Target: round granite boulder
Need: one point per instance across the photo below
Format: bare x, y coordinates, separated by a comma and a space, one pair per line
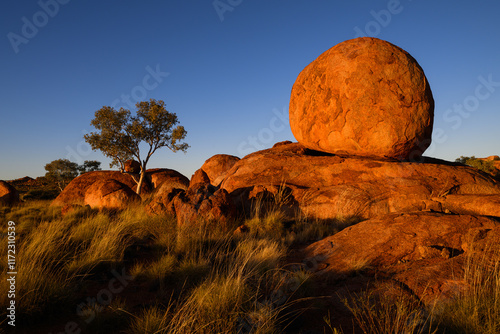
110, 194
365, 97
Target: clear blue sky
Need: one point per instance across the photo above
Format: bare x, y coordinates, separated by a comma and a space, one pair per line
227, 72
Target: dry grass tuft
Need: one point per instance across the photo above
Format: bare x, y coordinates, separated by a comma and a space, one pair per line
477, 308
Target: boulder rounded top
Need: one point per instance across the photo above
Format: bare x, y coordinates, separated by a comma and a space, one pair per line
132, 166
365, 97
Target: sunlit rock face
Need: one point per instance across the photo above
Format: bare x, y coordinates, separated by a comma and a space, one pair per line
8, 194
366, 97
110, 194
325, 186
426, 252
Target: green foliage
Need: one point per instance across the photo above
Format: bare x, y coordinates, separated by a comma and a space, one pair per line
119, 134
35, 189
89, 166
112, 138
61, 172
40, 194
486, 166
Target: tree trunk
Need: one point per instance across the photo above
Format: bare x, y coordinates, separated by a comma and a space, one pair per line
141, 180
141, 177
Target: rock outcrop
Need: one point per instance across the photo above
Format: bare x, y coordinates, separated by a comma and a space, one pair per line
8, 194
331, 186
200, 202
162, 200
203, 202
425, 252
160, 180
486, 205
364, 97
199, 177
159, 176
217, 166
492, 158
110, 194
75, 191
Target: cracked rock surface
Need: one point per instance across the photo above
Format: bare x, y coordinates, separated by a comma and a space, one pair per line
326, 186
364, 96
423, 251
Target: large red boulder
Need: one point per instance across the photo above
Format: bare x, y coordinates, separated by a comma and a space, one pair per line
110, 194
8, 194
217, 166
158, 176
74, 192
364, 96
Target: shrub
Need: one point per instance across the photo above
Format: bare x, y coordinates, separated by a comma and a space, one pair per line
486, 166
40, 194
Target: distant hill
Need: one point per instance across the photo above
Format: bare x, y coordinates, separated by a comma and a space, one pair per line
34, 189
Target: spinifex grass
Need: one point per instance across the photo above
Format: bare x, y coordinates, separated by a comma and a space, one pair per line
477, 308
201, 278
42, 284
154, 319
380, 314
